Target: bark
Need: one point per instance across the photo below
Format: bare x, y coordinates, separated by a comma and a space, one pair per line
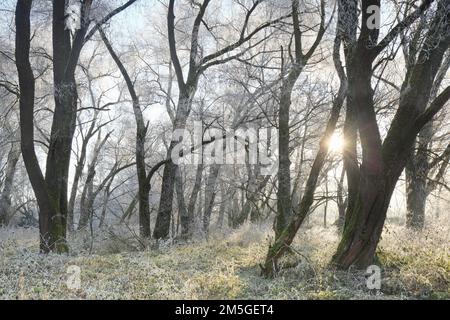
51, 191
65, 58
325, 210
188, 223
341, 203
210, 195
5, 196
419, 167
223, 205
296, 192
183, 214
162, 225
106, 196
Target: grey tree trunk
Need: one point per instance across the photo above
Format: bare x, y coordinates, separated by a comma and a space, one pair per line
183, 214
162, 225
223, 205
87, 196
210, 194
5, 196
78, 173
284, 199
419, 166
141, 132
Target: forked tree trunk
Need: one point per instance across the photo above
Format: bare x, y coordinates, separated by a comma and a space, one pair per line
299, 61
51, 192
285, 238
26, 103
87, 197
162, 225
381, 167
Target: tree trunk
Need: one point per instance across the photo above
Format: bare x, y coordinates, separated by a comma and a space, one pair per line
188, 224
418, 167
326, 203
210, 194
341, 203
284, 201
5, 196
26, 103
162, 225
183, 215
141, 132
78, 173
106, 196
252, 196
87, 196
223, 205
382, 165
284, 240
416, 172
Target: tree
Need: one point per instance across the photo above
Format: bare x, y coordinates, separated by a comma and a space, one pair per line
51, 190
299, 61
141, 132
383, 161
5, 195
187, 89
285, 237
423, 172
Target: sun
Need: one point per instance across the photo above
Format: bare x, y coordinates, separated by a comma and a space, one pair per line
336, 143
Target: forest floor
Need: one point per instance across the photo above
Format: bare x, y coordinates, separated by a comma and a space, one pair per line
414, 266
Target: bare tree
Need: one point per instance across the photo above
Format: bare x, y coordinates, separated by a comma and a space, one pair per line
51, 190
187, 89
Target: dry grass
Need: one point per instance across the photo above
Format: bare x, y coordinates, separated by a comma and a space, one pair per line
226, 267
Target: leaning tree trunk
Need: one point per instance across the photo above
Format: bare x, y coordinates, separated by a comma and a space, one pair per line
284, 240
141, 132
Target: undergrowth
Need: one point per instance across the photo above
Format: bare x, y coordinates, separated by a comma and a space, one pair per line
414, 266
